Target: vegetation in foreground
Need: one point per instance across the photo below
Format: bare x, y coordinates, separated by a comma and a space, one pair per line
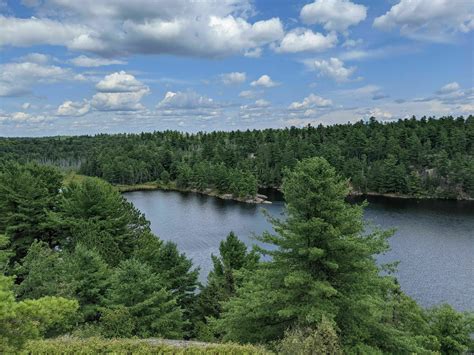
78, 259
425, 158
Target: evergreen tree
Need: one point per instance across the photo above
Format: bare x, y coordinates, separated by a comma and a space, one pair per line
94, 214
27, 192
223, 280
323, 267
87, 278
148, 307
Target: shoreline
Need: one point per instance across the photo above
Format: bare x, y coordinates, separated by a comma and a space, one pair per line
263, 199
257, 199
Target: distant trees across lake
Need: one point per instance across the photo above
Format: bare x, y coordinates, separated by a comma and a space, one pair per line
424, 157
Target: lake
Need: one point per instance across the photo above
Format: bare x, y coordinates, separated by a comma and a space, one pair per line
434, 241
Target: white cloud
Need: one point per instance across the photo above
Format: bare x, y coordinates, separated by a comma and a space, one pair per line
253, 53
119, 91
333, 68
25, 105
205, 28
233, 78
310, 102
84, 61
449, 88
120, 82
118, 101
22, 117
248, 94
28, 32
70, 108
352, 43
262, 103
334, 15
378, 113
302, 40
368, 91
185, 100
18, 78
38, 58
264, 81
428, 19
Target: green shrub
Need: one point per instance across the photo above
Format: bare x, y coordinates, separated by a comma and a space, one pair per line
67, 345
306, 341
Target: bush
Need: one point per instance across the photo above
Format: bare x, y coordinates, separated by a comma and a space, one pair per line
322, 340
67, 345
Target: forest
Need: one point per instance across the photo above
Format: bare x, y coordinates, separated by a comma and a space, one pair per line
421, 158
82, 271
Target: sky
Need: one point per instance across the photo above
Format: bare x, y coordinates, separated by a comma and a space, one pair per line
71, 67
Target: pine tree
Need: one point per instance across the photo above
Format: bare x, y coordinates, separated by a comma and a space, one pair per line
322, 267
27, 192
87, 276
152, 309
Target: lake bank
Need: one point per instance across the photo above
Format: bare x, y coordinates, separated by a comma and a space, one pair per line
266, 192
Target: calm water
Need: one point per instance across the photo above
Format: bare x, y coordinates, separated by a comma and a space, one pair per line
434, 241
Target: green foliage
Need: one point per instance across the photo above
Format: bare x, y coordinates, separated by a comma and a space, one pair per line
27, 192
322, 340
452, 329
31, 319
41, 273
94, 214
87, 277
323, 269
229, 270
5, 253
148, 305
175, 271
134, 346
223, 280
376, 157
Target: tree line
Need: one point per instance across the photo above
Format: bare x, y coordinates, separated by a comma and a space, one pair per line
78, 259
424, 157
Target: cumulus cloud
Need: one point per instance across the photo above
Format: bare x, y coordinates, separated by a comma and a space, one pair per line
118, 91
305, 40
185, 101
233, 78
334, 15
70, 108
191, 28
120, 82
22, 117
264, 81
22, 32
90, 62
449, 88
18, 78
310, 102
333, 68
428, 19
253, 53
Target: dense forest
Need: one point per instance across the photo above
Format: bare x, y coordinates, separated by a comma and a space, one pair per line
78, 259
424, 157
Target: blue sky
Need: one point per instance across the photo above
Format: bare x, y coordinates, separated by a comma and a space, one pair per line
84, 67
